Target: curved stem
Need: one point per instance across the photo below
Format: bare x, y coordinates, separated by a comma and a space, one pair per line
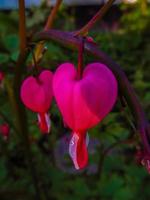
35, 65
125, 88
109, 149
52, 15
98, 16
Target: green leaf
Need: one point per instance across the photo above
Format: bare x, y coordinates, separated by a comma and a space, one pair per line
11, 42
4, 58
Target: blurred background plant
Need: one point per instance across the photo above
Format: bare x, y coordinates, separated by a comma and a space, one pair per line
123, 34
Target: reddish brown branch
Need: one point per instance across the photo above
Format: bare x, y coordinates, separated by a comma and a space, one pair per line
52, 15
80, 58
98, 16
22, 25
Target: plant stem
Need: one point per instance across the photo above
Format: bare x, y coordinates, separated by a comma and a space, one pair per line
98, 16
109, 149
52, 15
80, 58
14, 97
22, 25
125, 88
144, 7
35, 65
50, 21
23, 44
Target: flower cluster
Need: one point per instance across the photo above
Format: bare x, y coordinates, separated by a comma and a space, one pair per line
83, 102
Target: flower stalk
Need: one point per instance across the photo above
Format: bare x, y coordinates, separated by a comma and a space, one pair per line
97, 17
80, 58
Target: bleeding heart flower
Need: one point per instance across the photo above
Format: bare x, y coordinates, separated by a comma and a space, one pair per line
36, 94
83, 102
5, 130
1, 76
91, 40
143, 157
1, 79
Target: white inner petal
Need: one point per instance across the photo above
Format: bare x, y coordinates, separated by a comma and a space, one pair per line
48, 121
73, 149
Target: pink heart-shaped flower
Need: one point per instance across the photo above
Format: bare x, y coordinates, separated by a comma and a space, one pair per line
83, 103
36, 94
2, 76
5, 130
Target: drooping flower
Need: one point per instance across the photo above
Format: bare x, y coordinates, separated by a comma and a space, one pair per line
61, 150
1, 79
36, 94
83, 103
5, 130
143, 158
1, 76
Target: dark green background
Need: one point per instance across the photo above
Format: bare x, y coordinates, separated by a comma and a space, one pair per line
121, 177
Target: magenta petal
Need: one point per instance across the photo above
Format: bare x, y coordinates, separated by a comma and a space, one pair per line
44, 122
78, 150
5, 130
36, 93
84, 103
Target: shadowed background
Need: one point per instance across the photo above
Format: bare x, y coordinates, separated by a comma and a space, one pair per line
123, 34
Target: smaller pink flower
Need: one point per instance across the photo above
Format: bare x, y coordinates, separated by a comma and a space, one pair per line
36, 94
5, 130
90, 39
143, 158
2, 76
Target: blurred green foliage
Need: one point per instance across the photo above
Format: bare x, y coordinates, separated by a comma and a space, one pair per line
121, 178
